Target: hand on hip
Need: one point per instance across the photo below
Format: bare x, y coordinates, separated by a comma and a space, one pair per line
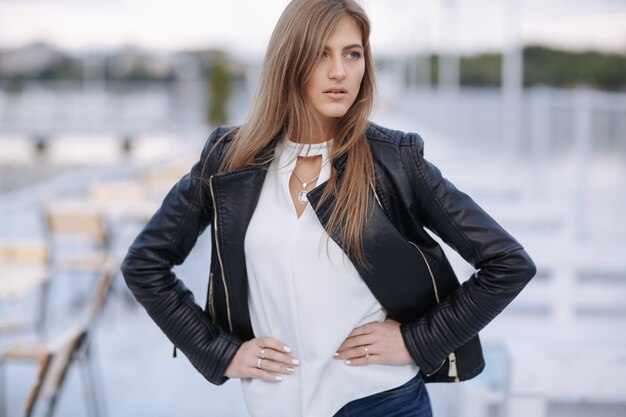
376, 342
263, 358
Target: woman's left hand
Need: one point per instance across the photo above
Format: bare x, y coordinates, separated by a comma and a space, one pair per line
383, 341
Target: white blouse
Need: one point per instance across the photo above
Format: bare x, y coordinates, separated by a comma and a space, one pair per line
309, 298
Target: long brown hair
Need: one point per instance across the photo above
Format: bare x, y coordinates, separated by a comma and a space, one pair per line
280, 103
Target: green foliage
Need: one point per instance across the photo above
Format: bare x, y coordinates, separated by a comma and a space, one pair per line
545, 66
218, 88
434, 69
564, 69
482, 70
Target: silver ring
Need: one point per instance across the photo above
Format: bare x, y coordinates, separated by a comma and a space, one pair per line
259, 363
262, 353
367, 354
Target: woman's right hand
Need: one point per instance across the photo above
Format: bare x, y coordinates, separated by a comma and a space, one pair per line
275, 360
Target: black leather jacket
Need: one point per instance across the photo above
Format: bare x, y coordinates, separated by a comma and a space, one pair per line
411, 277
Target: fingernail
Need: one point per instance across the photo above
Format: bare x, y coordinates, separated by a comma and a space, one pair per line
335, 354
295, 362
286, 348
278, 378
291, 370
348, 362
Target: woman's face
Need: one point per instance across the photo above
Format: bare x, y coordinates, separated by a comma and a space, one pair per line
337, 74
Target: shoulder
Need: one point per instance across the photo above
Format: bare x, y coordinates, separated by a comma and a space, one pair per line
222, 134
394, 138
218, 137
213, 148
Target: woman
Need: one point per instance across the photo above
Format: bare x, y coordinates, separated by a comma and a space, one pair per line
326, 295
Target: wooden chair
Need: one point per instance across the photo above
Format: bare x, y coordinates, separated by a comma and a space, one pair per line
55, 357
23, 269
74, 221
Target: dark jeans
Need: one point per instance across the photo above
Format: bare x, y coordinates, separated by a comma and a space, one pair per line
408, 400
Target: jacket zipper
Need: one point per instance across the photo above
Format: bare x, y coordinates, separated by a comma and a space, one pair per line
211, 305
219, 256
432, 276
452, 370
376, 196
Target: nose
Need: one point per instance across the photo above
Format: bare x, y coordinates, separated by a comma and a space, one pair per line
336, 71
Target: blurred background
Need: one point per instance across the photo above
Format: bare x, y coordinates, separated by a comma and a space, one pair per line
105, 104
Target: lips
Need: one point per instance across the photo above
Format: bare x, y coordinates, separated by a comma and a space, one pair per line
335, 90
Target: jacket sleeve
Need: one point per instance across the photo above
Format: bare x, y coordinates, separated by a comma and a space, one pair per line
502, 265
165, 241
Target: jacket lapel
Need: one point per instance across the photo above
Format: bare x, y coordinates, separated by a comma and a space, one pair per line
392, 260
236, 194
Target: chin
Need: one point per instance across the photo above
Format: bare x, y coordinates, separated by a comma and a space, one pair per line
335, 115
336, 112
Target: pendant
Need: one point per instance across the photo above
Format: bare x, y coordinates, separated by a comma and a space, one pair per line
302, 197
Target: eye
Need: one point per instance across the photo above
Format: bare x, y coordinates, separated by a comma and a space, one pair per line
354, 55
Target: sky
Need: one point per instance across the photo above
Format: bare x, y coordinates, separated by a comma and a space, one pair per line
243, 27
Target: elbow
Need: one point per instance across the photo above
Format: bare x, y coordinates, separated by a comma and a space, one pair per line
144, 270
507, 275
529, 269
133, 267
139, 276
128, 268
522, 265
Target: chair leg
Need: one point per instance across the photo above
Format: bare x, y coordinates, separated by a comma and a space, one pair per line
52, 404
88, 390
100, 392
92, 399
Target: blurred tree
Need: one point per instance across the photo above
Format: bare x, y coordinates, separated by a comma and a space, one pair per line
61, 68
434, 70
545, 66
481, 70
560, 68
218, 84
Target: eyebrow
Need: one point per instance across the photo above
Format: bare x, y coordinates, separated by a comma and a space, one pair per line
354, 45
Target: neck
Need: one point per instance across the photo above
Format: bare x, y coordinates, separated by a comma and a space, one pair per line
326, 134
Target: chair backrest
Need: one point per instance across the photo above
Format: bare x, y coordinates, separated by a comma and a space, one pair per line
77, 233
53, 366
76, 219
23, 252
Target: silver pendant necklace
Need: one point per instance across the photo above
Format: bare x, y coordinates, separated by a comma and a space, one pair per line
302, 199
